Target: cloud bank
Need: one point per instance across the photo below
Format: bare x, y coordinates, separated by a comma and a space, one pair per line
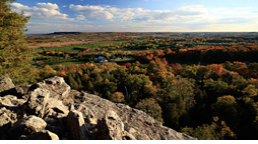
107, 18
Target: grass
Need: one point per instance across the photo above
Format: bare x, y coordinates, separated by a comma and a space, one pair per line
68, 63
126, 59
122, 61
70, 48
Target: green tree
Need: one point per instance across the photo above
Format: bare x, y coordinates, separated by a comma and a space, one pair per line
176, 99
135, 84
72, 82
217, 130
179, 87
173, 113
47, 72
226, 108
15, 57
151, 107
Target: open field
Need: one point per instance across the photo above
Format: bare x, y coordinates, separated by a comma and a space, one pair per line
55, 44
188, 75
70, 47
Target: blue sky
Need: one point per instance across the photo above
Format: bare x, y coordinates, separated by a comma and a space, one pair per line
140, 15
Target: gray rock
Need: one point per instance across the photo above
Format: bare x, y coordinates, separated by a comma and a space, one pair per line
145, 126
41, 135
75, 124
7, 118
22, 91
11, 101
73, 115
6, 101
55, 108
111, 127
86, 112
37, 102
127, 136
137, 135
5, 84
27, 126
58, 89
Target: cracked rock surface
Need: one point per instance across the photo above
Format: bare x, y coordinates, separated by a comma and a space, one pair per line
50, 110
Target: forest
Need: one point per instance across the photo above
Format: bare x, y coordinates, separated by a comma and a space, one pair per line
204, 87
201, 84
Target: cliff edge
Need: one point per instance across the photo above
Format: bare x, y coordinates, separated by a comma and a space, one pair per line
50, 110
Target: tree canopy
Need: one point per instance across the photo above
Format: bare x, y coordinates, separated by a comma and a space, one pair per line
15, 57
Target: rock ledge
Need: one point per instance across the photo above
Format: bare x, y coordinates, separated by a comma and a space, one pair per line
50, 110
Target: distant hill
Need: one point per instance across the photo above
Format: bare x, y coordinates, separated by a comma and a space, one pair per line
65, 33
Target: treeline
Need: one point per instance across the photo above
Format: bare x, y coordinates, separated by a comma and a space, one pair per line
217, 101
204, 54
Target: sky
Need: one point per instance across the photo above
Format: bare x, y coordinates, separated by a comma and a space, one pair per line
49, 16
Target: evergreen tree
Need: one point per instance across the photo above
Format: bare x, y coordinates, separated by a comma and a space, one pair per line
15, 57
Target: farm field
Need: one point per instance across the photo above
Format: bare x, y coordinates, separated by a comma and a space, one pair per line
180, 77
161, 69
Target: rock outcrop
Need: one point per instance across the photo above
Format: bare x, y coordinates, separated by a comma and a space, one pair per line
50, 110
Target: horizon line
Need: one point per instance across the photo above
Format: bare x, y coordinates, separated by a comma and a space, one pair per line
143, 32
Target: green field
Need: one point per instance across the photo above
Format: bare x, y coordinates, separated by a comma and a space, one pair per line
130, 60
68, 63
70, 48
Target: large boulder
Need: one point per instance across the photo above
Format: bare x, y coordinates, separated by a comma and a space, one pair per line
27, 126
7, 118
145, 126
37, 102
111, 127
5, 84
55, 108
21, 91
57, 112
11, 101
41, 135
57, 87
76, 126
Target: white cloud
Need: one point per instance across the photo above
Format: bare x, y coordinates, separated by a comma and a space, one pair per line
48, 6
188, 18
139, 14
43, 11
19, 7
80, 17
96, 12
191, 10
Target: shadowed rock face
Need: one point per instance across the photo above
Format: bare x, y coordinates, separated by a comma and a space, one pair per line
47, 111
6, 84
